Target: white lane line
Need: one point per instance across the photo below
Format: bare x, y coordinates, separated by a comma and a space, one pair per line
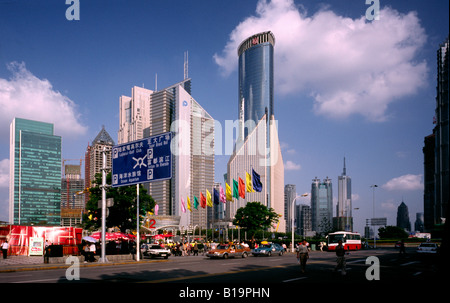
290, 280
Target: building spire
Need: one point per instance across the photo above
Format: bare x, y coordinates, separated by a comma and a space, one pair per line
345, 170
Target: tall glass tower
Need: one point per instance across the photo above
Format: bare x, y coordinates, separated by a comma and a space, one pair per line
255, 80
321, 205
35, 174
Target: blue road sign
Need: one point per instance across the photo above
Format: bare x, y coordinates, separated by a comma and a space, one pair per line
142, 161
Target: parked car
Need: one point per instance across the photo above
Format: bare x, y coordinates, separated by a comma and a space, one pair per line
228, 250
427, 248
154, 251
268, 249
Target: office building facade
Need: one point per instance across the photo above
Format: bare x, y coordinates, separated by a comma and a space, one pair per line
403, 217
290, 193
436, 149
72, 196
321, 205
35, 173
344, 218
257, 144
147, 113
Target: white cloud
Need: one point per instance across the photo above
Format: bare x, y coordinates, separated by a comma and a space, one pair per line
289, 165
349, 66
26, 96
405, 182
4, 173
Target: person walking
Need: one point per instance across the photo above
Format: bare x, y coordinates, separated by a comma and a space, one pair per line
5, 246
303, 254
340, 254
402, 247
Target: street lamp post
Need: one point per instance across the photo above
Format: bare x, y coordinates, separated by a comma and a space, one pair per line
373, 215
292, 220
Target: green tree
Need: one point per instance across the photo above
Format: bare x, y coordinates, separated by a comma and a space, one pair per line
255, 216
123, 213
392, 232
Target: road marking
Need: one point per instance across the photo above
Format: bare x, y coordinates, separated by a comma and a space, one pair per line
355, 261
34, 281
409, 263
417, 273
290, 280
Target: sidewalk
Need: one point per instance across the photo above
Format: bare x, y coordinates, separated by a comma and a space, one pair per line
29, 263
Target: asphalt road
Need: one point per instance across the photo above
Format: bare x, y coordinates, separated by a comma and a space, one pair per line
249, 277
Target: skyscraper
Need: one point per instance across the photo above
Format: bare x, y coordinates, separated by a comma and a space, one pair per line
321, 205
441, 131
289, 195
94, 157
256, 70
72, 198
344, 207
35, 173
436, 148
147, 113
403, 217
257, 147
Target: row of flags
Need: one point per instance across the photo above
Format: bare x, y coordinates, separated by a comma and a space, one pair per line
251, 184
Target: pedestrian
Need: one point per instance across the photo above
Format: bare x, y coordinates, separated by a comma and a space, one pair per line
303, 254
402, 247
92, 250
5, 246
47, 250
340, 254
195, 249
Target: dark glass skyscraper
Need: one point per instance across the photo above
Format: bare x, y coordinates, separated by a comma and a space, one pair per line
255, 79
35, 173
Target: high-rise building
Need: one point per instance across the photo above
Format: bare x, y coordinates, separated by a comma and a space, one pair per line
290, 193
147, 113
303, 226
344, 218
436, 171
418, 225
93, 159
403, 217
441, 131
257, 147
321, 205
72, 197
35, 173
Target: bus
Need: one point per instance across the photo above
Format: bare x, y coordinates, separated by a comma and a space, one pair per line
350, 240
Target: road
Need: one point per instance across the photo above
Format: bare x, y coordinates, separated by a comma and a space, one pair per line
252, 273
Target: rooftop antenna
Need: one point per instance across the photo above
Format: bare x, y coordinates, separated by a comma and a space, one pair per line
345, 171
156, 82
186, 63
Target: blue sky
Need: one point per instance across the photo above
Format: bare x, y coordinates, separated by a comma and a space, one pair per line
344, 86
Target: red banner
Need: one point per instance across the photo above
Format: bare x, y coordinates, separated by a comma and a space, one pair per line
18, 237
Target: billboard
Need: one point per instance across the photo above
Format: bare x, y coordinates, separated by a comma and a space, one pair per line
142, 161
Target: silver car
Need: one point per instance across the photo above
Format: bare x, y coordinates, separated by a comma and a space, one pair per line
154, 251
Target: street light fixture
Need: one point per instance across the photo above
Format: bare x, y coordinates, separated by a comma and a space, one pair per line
292, 220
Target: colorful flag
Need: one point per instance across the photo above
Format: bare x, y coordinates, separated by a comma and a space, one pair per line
195, 202
228, 192
183, 207
257, 185
189, 203
235, 189
216, 196
241, 188
223, 198
202, 200
208, 199
248, 181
